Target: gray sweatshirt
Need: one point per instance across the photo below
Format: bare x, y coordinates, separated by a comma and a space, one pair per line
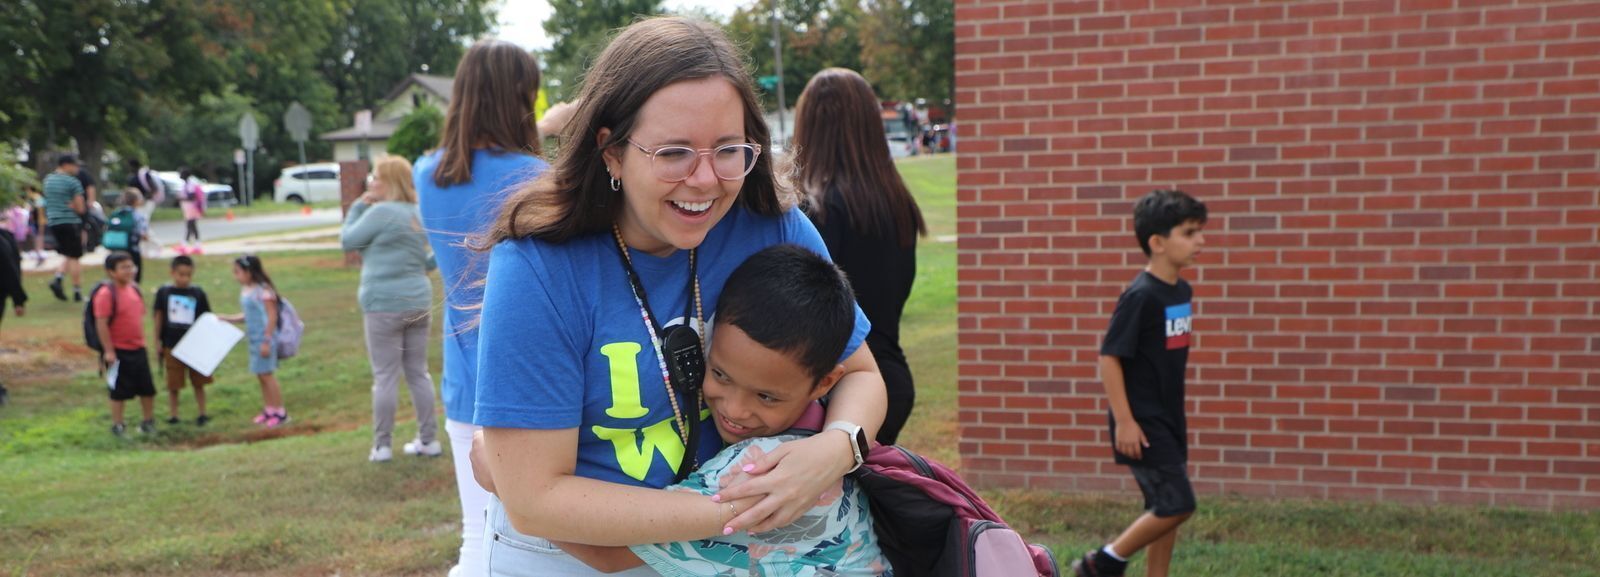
395, 258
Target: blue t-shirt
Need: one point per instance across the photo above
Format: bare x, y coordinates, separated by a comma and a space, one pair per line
451, 215
563, 345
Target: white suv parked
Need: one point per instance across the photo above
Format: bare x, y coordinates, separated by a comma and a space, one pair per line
317, 182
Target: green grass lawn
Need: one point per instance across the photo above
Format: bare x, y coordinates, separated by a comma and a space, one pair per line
232, 499
261, 207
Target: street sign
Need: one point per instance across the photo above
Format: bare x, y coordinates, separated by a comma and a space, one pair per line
249, 131
768, 82
298, 120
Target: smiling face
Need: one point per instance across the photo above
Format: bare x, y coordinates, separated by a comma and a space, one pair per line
660, 217
123, 272
754, 391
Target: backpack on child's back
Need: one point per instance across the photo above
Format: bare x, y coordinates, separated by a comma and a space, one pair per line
91, 332
931, 524
122, 231
290, 329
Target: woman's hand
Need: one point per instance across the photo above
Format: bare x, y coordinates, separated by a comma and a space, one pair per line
480, 463
266, 350
792, 477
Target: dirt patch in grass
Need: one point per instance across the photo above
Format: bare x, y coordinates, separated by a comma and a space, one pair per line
35, 361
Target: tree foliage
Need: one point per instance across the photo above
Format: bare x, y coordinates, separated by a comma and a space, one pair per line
418, 132
580, 29
908, 48
167, 80
13, 178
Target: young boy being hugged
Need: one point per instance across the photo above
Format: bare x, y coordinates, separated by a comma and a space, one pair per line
119, 320
177, 306
784, 318
1142, 363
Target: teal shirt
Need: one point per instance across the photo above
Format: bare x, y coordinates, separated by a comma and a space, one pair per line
58, 192
395, 259
834, 538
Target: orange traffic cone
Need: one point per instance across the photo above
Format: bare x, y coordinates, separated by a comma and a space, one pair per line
229, 216
305, 210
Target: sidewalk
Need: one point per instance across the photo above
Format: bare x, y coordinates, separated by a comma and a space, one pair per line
316, 239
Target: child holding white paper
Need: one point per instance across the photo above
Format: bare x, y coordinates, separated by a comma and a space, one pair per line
177, 306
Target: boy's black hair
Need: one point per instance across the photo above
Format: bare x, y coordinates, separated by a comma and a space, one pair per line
793, 301
1161, 211
66, 159
182, 260
116, 258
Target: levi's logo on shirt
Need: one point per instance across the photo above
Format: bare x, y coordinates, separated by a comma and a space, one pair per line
1179, 326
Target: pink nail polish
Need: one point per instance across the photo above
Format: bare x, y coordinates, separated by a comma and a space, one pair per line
717, 498
727, 530
748, 468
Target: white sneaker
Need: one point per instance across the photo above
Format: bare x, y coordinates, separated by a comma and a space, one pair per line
382, 454
416, 447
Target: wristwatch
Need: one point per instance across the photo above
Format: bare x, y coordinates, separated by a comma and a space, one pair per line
858, 440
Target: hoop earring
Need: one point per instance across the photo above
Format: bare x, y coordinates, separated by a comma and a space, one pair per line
616, 185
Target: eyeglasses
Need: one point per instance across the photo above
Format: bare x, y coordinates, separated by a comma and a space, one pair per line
673, 163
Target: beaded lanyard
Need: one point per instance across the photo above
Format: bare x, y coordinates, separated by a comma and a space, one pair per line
654, 329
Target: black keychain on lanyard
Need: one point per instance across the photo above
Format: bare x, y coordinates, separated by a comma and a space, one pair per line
679, 351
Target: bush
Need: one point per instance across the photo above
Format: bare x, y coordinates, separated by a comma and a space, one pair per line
418, 132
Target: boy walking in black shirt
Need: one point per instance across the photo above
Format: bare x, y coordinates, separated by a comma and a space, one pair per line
1142, 362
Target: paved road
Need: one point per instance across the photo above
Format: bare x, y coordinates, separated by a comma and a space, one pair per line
216, 228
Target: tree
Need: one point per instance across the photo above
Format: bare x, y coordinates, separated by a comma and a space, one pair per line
86, 66
580, 29
13, 178
376, 43
816, 34
908, 48
418, 132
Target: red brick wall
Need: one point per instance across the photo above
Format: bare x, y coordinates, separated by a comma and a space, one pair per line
1398, 299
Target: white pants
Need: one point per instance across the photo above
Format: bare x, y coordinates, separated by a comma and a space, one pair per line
474, 502
513, 554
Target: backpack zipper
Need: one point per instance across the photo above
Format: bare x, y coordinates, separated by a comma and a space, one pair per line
972, 540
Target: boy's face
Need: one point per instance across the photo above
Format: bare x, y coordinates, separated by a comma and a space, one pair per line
754, 391
182, 275
123, 273
1181, 245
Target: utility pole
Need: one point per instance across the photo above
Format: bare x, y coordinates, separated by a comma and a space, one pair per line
777, 56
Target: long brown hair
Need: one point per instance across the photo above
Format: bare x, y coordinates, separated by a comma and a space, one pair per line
841, 152
574, 197
491, 105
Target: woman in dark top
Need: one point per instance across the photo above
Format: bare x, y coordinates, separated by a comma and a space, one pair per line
867, 217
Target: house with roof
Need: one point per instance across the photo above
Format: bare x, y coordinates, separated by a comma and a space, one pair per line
414, 91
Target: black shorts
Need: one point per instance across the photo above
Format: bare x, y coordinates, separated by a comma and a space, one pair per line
1166, 489
69, 239
133, 376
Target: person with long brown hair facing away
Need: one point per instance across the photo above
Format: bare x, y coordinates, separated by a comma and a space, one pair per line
853, 193
591, 342
396, 304
488, 146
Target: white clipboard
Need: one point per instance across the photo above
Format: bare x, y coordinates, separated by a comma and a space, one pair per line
207, 343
